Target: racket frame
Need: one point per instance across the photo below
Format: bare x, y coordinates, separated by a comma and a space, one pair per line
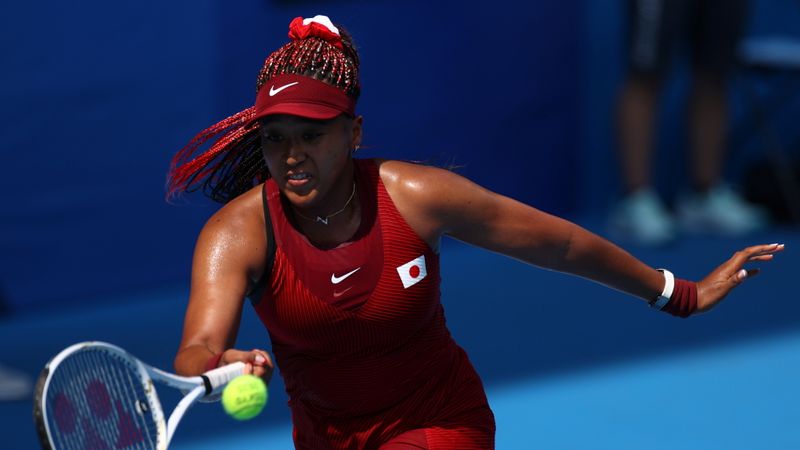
207, 386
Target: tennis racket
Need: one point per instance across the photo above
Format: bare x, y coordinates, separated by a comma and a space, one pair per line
95, 395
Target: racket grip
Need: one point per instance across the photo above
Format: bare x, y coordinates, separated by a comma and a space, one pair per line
216, 379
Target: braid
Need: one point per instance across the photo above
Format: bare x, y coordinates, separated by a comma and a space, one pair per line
316, 58
233, 163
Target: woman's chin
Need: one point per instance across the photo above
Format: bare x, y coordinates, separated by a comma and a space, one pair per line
301, 198
299, 190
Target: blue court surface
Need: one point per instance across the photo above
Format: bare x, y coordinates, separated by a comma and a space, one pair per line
567, 364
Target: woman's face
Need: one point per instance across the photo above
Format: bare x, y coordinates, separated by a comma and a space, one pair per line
309, 159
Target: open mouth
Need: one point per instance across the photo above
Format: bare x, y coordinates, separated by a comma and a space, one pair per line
298, 179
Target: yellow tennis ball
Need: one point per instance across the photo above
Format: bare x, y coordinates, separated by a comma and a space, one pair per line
244, 397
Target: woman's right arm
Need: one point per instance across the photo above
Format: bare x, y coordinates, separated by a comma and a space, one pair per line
228, 258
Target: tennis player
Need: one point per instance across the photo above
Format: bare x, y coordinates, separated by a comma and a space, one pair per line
340, 259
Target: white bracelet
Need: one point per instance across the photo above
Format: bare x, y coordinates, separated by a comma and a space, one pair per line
666, 294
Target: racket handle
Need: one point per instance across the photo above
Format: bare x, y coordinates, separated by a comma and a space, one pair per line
216, 379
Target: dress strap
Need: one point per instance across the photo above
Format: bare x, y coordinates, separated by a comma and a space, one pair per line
257, 292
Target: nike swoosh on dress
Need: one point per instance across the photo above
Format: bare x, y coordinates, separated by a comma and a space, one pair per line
337, 280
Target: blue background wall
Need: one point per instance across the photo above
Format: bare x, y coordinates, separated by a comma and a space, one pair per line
96, 97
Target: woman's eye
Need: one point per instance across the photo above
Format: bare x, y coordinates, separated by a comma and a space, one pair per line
273, 137
311, 136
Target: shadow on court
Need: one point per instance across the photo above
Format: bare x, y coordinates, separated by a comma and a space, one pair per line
516, 323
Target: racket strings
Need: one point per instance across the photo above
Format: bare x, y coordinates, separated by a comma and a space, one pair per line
135, 403
125, 381
97, 400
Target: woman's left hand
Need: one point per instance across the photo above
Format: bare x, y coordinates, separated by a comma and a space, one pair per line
714, 287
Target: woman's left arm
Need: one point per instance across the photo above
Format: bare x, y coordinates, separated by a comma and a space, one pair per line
473, 214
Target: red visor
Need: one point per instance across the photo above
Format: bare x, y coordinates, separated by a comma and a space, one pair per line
302, 96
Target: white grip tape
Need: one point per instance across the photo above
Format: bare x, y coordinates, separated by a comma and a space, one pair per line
221, 376
666, 294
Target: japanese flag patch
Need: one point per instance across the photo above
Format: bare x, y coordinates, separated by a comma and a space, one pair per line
413, 271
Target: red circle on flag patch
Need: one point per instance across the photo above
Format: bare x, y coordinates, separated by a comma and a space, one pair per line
413, 271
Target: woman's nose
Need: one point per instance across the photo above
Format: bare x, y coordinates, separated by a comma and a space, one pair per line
296, 154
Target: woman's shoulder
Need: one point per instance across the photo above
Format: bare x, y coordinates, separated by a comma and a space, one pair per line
233, 238
408, 174
421, 193
242, 216
414, 179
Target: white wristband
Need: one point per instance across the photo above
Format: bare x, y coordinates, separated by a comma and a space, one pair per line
666, 294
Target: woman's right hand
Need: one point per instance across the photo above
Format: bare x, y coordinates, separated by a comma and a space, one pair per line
257, 362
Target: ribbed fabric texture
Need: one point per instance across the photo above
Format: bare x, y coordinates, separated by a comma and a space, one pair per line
684, 299
358, 377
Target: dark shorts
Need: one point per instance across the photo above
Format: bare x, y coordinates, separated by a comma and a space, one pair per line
709, 30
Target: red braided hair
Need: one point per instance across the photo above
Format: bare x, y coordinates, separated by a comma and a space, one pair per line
233, 163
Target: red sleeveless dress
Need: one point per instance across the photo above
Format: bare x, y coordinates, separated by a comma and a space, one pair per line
359, 335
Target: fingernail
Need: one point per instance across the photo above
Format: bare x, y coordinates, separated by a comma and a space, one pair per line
774, 245
741, 275
260, 359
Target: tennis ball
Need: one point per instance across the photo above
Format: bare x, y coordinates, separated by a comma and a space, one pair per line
244, 397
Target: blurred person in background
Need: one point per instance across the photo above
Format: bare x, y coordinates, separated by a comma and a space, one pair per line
711, 29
